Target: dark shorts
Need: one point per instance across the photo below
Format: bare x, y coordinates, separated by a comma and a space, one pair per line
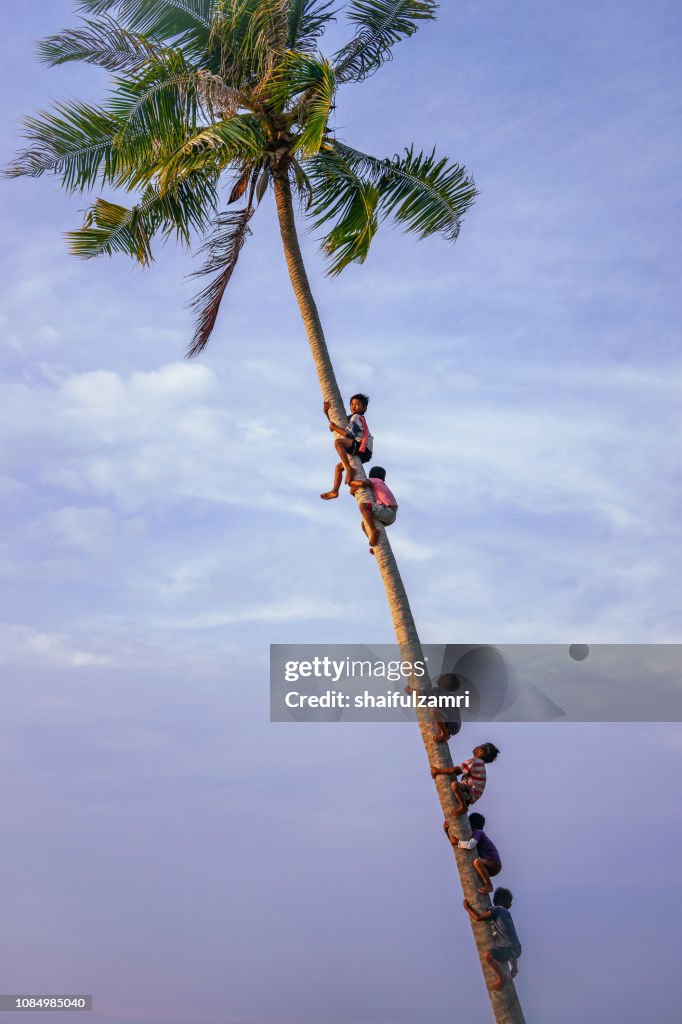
354, 449
469, 797
503, 954
493, 867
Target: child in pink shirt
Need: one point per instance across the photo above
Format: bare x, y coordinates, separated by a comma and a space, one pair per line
382, 508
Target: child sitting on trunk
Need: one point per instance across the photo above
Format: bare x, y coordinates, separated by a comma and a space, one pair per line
355, 439
383, 507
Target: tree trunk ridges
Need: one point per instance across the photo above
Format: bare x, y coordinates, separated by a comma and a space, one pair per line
505, 1004
304, 297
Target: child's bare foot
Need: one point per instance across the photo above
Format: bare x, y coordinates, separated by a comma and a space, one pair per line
328, 495
371, 551
373, 538
485, 889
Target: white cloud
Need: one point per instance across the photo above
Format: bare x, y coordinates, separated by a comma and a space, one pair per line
23, 645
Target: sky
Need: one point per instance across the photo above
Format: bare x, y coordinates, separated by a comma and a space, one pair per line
168, 849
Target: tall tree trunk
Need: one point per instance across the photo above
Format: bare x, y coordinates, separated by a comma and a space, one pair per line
505, 1004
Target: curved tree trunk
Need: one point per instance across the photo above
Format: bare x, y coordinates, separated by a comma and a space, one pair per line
505, 1005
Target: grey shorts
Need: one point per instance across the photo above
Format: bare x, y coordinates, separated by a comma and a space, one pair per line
384, 513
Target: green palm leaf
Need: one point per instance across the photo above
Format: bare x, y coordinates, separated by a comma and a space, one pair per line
103, 42
309, 83
425, 195
382, 24
110, 228
341, 195
307, 21
79, 142
238, 140
356, 191
164, 19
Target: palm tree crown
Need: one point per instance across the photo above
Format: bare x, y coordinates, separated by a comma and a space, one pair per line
214, 100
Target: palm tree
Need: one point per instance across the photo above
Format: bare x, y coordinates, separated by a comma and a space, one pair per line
217, 103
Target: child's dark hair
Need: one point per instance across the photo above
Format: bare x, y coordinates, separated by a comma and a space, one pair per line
489, 752
377, 473
476, 820
361, 398
502, 898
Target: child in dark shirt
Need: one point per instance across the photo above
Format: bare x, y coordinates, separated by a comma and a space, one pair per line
507, 948
487, 860
354, 439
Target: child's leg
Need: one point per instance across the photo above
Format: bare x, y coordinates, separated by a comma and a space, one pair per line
446, 828
440, 732
342, 444
499, 981
481, 867
368, 525
334, 493
459, 793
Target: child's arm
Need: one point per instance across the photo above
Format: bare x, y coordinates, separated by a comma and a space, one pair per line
476, 915
457, 770
332, 426
355, 485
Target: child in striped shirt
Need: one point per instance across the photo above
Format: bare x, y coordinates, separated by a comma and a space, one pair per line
470, 788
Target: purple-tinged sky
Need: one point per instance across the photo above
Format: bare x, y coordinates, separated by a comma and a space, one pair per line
164, 846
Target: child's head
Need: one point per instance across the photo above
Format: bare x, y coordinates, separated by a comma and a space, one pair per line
361, 403
502, 898
377, 473
487, 752
448, 681
476, 820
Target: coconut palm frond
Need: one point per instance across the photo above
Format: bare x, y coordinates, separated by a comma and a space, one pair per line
265, 35
424, 194
307, 21
102, 42
222, 251
164, 19
309, 84
76, 141
162, 100
381, 24
342, 196
236, 141
110, 228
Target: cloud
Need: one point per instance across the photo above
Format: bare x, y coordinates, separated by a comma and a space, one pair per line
23, 645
